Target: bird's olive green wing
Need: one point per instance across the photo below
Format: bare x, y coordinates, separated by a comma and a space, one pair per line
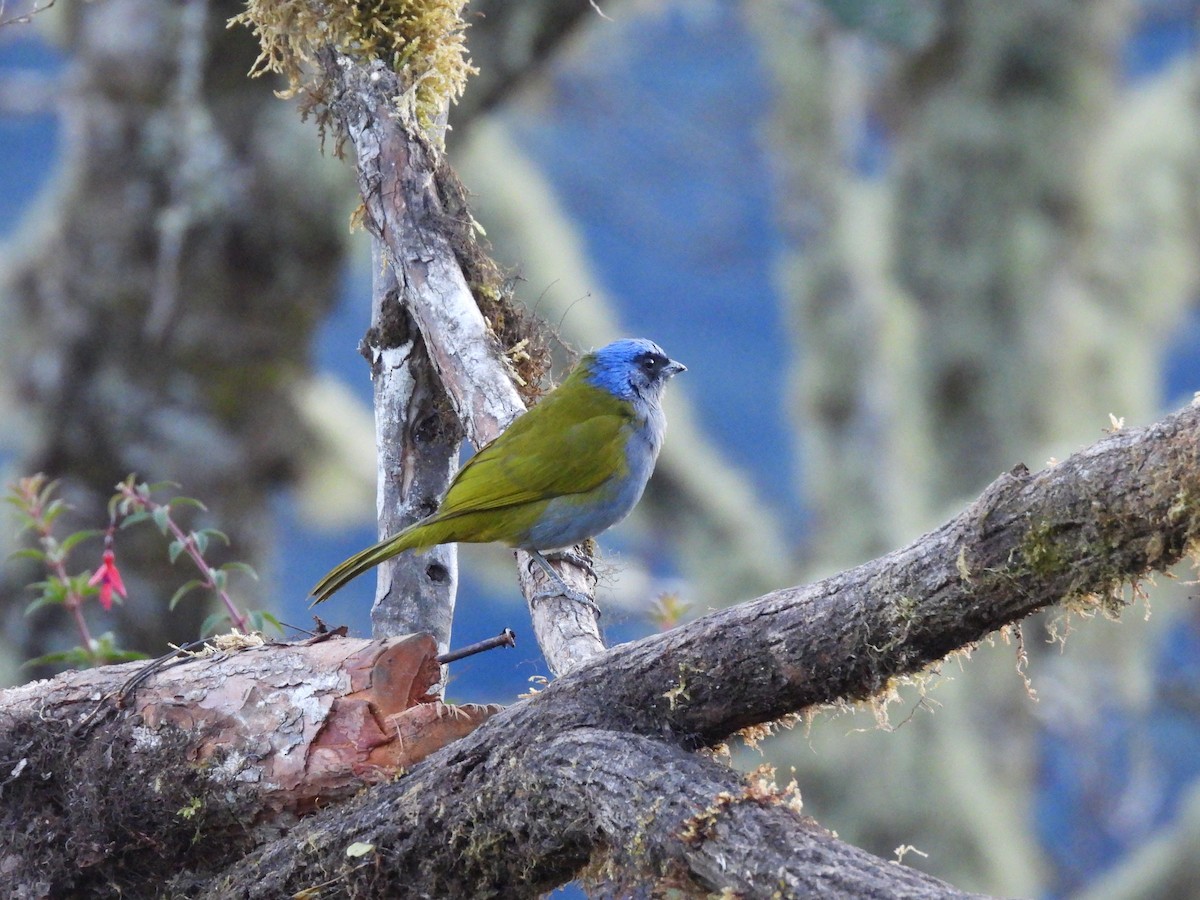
570, 443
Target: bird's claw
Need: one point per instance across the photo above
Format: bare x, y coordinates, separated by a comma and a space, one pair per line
558, 587
552, 591
579, 560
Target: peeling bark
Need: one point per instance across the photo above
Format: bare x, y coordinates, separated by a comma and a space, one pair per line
302, 722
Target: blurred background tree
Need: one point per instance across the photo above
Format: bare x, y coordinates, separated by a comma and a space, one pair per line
902, 245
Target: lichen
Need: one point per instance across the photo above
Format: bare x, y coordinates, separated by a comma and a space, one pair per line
423, 41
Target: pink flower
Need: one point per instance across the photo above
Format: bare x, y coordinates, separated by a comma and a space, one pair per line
109, 579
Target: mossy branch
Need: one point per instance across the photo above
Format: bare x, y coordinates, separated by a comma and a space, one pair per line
1114, 513
422, 41
598, 762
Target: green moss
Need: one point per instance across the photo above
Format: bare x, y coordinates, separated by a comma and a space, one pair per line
1040, 552
421, 40
1185, 509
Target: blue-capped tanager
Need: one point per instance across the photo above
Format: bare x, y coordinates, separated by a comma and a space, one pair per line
570, 467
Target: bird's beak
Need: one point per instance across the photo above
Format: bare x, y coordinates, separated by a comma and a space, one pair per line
674, 368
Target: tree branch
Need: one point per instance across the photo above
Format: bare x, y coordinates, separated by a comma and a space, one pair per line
1073, 533
418, 440
589, 766
131, 780
398, 178
528, 818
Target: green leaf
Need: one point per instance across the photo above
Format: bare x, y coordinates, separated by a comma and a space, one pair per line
184, 590
220, 579
270, 617
44, 600
162, 517
139, 515
256, 619
28, 553
78, 584
25, 522
53, 589
75, 657
209, 625
53, 511
108, 651
188, 501
215, 533
200, 540
78, 537
240, 567
174, 550
162, 486
43, 496
359, 848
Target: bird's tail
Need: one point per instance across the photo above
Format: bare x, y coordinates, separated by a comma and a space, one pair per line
360, 562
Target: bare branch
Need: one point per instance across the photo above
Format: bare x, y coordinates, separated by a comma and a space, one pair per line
395, 167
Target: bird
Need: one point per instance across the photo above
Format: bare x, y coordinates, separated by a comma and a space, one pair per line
570, 467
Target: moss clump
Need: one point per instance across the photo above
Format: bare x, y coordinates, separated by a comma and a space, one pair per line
423, 41
1185, 510
1041, 552
524, 339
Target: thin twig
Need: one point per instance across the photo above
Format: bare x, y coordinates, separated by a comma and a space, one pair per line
506, 638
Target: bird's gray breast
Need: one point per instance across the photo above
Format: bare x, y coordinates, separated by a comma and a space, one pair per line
574, 518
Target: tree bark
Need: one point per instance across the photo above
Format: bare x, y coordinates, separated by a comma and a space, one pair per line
209, 755
417, 437
654, 813
597, 766
405, 186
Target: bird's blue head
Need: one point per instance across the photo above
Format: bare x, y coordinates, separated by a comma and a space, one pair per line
632, 369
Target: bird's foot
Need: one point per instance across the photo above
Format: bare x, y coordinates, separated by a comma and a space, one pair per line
560, 588
581, 560
553, 591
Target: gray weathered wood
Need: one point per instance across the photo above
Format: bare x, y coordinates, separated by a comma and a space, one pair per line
418, 438
397, 170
